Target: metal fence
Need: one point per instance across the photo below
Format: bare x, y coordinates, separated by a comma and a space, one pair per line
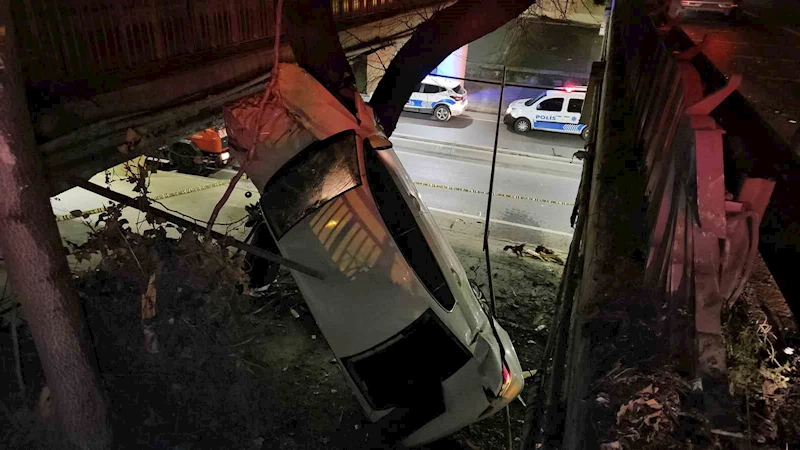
78, 39
653, 81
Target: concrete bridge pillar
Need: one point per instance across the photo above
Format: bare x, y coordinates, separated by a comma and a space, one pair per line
455, 65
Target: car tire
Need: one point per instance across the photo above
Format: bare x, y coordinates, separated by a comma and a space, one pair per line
182, 157
585, 133
522, 125
442, 113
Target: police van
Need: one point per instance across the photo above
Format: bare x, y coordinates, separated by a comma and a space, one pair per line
555, 110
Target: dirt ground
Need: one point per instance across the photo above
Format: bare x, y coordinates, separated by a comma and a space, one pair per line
756, 407
216, 368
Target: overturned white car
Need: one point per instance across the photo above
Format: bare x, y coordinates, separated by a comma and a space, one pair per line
395, 304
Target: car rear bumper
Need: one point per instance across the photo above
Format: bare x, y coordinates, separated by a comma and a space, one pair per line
216, 160
695, 5
458, 108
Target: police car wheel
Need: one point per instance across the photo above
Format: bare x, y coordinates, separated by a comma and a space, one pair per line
585, 133
522, 125
442, 113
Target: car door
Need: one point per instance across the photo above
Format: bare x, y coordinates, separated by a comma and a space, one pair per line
548, 113
573, 107
416, 100
572, 115
431, 94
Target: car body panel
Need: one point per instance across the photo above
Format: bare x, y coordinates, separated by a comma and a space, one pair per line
421, 101
211, 140
564, 119
723, 6
375, 290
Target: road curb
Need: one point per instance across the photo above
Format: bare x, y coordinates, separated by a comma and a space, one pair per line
505, 157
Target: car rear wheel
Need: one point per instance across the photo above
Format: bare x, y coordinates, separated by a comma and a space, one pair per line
585, 133
522, 125
182, 156
442, 113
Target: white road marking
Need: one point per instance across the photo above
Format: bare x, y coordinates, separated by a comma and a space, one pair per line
501, 222
481, 119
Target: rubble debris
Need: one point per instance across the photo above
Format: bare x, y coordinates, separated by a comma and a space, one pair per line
540, 252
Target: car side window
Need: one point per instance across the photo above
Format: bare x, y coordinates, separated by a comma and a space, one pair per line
551, 104
418, 88
404, 229
430, 89
575, 105
319, 173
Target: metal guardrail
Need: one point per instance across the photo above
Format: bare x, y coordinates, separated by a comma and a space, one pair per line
653, 83
73, 40
759, 152
662, 213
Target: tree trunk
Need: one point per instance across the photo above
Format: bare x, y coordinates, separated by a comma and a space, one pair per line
432, 41
315, 43
31, 245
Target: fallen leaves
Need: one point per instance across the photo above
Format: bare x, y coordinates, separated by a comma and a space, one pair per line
647, 416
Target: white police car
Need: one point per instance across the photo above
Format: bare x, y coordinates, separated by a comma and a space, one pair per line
442, 97
555, 110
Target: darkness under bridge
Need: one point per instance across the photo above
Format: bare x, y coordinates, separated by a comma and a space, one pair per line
662, 185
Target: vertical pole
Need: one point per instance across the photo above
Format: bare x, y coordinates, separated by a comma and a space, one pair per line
37, 267
491, 192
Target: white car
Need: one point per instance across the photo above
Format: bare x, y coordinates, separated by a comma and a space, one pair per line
408, 330
442, 97
558, 111
730, 8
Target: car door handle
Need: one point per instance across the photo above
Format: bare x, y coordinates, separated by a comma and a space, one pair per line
455, 274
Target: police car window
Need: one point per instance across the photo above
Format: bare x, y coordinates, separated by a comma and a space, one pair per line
319, 173
430, 89
459, 90
404, 229
575, 105
551, 104
418, 88
533, 100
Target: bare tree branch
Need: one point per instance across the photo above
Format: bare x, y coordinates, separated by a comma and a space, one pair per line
448, 30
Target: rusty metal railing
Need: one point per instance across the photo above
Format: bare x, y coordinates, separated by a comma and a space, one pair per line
118, 40
703, 231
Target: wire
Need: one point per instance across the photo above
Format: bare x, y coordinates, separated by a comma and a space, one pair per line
492, 319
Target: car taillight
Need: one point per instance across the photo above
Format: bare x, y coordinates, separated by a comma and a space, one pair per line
457, 98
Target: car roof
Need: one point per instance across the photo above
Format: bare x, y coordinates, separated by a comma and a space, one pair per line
448, 83
565, 93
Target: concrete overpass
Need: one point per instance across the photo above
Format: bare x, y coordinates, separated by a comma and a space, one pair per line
96, 69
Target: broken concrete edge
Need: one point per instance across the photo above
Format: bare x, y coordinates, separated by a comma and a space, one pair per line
505, 157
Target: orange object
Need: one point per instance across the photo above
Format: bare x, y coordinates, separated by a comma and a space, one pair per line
211, 140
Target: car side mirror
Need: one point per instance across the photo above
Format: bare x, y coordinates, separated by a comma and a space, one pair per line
379, 142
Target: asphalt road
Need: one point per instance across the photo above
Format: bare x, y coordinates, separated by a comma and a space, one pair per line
478, 129
765, 48
523, 197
